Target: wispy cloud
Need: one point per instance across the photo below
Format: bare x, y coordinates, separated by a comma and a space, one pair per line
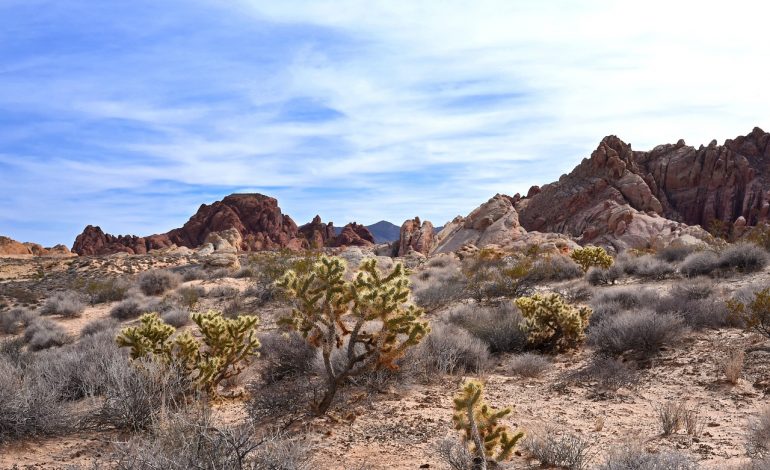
131, 115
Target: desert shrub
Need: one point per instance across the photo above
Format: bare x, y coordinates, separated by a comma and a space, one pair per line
551, 323
176, 317
189, 296
601, 276
644, 332
455, 454
285, 355
634, 457
289, 396
14, 320
221, 273
575, 292
696, 313
557, 448
700, 263
554, 268
670, 417
694, 289
489, 277
439, 285
66, 304
324, 301
485, 437
225, 348
29, 406
158, 281
605, 374
758, 439
675, 254
529, 364
754, 314
647, 267
590, 256
449, 349
603, 311
194, 273
44, 333
99, 325
136, 395
106, 290
743, 257
245, 272
223, 292
128, 309
627, 297
499, 326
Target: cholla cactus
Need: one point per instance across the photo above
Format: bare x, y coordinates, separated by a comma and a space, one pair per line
551, 323
485, 437
330, 309
224, 350
591, 256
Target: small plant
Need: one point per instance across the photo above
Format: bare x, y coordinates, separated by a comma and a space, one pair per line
643, 332
551, 323
189, 296
634, 457
485, 437
591, 256
529, 364
14, 320
499, 326
226, 346
176, 317
756, 314
671, 417
108, 290
329, 310
733, 365
158, 281
127, 309
43, 333
449, 349
758, 440
558, 449
66, 304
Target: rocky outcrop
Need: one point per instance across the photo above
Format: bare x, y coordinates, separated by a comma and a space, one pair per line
10, 247
415, 236
255, 218
317, 233
353, 234
630, 199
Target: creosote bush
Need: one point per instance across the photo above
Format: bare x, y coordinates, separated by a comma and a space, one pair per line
158, 281
485, 437
551, 323
66, 304
331, 312
591, 256
226, 346
755, 314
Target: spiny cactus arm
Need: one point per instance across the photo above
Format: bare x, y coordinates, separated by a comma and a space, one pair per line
507, 443
150, 337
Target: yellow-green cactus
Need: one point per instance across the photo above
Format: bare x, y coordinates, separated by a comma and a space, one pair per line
329, 309
591, 256
551, 323
226, 346
485, 437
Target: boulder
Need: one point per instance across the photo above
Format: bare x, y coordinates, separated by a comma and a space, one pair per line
415, 236
222, 260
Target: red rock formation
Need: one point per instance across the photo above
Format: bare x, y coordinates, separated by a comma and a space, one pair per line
353, 234
618, 193
317, 233
9, 246
415, 236
256, 217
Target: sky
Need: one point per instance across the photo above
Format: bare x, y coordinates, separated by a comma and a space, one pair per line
131, 114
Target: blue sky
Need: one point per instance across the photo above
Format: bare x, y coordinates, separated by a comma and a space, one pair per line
130, 114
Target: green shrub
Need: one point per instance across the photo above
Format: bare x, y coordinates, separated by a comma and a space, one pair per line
551, 323
328, 309
590, 256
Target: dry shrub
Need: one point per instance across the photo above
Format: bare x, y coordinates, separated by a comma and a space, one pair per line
66, 304
529, 364
285, 355
675, 254
189, 296
194, 273
743, 257
670, 417
449, 349
107, 290
603, 277
14, 320
697, 313
176, 317
558, 448
627, 297
455, 454
643, 332
286, 397
693, 289
223, 292
700, 263
554, 268
439, 284
158, 281
647, 267
43, 333
758, 440
605, 374
634, 457
128, 309
499, 326
733, 365
99, 325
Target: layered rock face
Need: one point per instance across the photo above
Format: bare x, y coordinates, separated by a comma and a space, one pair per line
255, 217
10, 247
631, 199
415, 237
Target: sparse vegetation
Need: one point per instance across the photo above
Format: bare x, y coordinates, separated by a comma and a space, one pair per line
733, 365
558, 448
106, 290
529, 364
43, 333
127, 309
66, 304
14, 320
758, 439
156, 282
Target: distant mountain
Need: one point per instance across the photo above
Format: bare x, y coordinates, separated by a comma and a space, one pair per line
383, 231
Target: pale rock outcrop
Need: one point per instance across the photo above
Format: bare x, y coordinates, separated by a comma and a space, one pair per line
415, 236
